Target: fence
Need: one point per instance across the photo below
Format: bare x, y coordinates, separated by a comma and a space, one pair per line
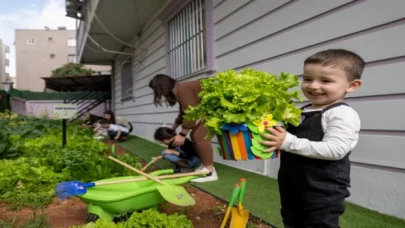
40, 104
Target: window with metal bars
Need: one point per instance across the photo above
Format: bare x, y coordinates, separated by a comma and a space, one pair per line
126, 79
187, 40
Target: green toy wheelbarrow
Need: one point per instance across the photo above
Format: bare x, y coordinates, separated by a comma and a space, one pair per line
117, 200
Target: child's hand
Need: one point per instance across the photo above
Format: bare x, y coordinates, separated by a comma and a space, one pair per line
276, 138
168, 151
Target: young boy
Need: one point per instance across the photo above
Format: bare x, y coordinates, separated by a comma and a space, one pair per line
183, 157
116, 132
314, 173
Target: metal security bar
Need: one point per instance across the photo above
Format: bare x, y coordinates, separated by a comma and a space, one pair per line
187, 52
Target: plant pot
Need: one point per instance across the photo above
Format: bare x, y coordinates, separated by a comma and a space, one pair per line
241, 142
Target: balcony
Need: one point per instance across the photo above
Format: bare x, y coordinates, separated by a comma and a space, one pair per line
105, 26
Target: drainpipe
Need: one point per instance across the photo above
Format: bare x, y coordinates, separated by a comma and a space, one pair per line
112, 100
266, 172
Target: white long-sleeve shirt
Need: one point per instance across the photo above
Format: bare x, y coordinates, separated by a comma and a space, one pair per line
341, 126
115, 127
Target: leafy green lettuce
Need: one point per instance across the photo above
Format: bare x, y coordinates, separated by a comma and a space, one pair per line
231, 97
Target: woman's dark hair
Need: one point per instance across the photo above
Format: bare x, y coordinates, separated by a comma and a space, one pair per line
162, 86
163, 133
111, 113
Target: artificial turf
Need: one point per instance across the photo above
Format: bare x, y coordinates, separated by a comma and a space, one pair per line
261, 196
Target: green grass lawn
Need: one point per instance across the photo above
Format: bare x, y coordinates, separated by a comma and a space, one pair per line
261, 197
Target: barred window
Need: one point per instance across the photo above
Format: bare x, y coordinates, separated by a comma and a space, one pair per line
126, 79
187, 40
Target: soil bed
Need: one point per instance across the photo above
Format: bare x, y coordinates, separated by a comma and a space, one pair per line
208, 211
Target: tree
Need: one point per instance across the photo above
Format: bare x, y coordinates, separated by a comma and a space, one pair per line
71, 69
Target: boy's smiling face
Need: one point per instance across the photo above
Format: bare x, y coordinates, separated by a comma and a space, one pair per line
326, 85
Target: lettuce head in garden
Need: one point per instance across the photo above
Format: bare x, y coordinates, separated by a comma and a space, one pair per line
250, 96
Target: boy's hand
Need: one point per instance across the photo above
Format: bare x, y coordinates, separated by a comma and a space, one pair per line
168, 151
276, 138
179, 140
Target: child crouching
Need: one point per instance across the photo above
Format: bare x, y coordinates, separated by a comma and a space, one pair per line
115, 132
183, 157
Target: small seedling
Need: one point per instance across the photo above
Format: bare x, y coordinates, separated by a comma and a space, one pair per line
217, 209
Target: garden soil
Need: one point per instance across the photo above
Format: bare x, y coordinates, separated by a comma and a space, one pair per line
207, 213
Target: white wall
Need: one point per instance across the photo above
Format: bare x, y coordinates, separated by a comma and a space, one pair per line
277, 36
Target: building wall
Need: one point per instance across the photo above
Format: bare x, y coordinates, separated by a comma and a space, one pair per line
4, 62
277, 36
34, 61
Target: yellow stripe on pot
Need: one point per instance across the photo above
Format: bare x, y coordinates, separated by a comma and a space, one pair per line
235, 146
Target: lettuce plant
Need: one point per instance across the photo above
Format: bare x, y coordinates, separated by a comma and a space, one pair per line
246, 97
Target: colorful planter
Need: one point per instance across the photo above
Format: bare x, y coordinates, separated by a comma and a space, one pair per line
241, 141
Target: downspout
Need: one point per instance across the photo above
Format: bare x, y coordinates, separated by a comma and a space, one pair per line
112, 100
266, 172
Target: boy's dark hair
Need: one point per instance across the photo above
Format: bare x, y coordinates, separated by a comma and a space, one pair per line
163, 133
162, 86
349, 61
105, 121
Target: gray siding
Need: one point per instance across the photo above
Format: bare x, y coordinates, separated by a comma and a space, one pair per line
277, 36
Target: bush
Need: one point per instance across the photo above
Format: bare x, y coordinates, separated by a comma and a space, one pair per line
145, 219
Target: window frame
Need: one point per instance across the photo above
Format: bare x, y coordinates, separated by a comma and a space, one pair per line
67, 42
172, 10
124, 96
74, 56
31, 43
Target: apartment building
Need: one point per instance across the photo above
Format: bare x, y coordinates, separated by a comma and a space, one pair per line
38, 52
4, 62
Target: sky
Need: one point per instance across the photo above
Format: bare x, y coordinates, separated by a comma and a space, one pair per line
30, 14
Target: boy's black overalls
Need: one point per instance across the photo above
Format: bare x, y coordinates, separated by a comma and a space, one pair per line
312, 191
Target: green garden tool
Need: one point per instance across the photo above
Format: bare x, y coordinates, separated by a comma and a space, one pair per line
240, 217
113, 148
173, 194
235, 194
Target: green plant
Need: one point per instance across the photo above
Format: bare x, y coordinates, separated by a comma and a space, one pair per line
9, 223
25, 182
35, 221
216, 209
71, 69
251, 225
145, 219
249, 96
153, 219
100, 223
39, 161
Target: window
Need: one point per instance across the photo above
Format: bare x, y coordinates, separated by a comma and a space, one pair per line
187, 35
126, 79
71, 42
72, 58
30, 41
52, 56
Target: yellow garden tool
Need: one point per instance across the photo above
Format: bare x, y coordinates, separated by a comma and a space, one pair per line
235, 194
240, 216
